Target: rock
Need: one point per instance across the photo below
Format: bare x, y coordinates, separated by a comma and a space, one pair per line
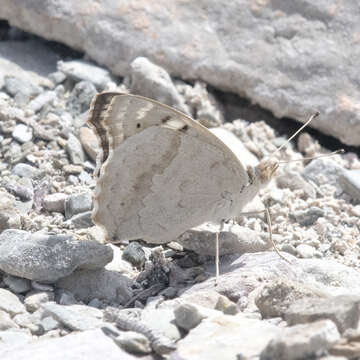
302, 341
152, 81
15, 86
233, 239
134, 254
188, 315
75, 317
10, 303
218, 56
276, 296
89, 141
75, 150
308, 217
71, 169
55, 202
22, 133
43, 99
6, 322
162, 320
323, 171
79, 70
118, 264
12, 339
80, 97
48, 257
305, 251
343, 310
25, 170
35, 299
16, 284
81, 221
49, 323
102, 284
9, 214
232, 332
350, 183
295, 181
133, 342
89, 344
78, 203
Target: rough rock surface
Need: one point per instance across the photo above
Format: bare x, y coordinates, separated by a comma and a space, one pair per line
287, 58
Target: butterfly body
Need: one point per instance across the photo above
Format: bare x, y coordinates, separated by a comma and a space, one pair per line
161, 173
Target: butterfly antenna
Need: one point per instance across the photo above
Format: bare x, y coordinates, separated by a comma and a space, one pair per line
340, 151
311, 118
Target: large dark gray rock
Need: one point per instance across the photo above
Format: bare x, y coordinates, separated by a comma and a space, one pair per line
47, 258
290, 57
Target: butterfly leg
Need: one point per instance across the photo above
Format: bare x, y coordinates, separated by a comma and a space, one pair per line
266, 211
217, 251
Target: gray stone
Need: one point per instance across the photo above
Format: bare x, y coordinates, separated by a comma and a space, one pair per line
90, 344
343, 310
34, 300
10, 303
75, 317
6, 322
233, 239
16, 86
134, 254
80, 99
79, 70
307, 217
49, 323
239, 336
302, 341
305, 251
30, 322
118, 264
78, 203
102, 284
81, 221
16, 284
310, 33
25, 170
323, 171
162, 320
13, 338
55, 202
9, 215
22, 133
47, 258
43, 99
295, 181
276, 296
152, 81
133, 342
188, 316
350, 183
89, 141
75, 150
57, 77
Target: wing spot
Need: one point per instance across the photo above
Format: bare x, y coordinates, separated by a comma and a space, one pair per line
165, 119
184, 128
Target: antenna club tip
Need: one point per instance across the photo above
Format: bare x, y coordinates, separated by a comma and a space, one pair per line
316, 114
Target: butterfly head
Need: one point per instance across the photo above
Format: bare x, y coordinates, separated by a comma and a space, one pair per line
266, 170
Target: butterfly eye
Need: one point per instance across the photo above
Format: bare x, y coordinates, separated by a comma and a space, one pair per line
138, 125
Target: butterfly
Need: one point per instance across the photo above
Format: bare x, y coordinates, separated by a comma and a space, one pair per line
160, 173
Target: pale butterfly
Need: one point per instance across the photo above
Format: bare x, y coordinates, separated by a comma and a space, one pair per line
160, 173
